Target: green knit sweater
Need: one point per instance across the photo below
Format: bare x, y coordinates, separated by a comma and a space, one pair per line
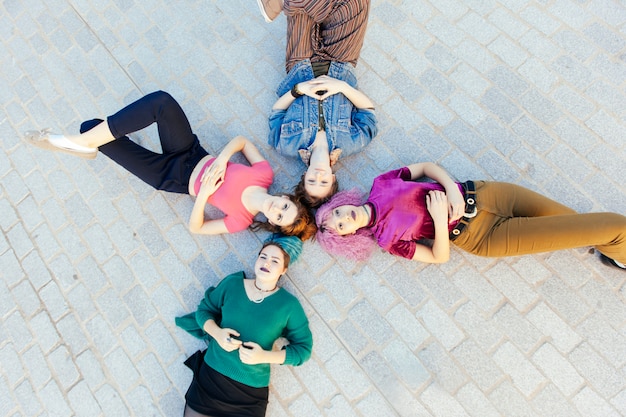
280, 314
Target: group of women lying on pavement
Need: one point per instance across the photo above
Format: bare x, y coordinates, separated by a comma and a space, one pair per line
319, 117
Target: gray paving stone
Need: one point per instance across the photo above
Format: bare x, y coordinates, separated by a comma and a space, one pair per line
510, 284
478, 290
63, 367
510, 402
561, 335
550, 401
110, 401
475, 402
371, 323
519, 330
600, 374
570, 12
479, 326
469, 80
286, 384
38, 371
411, 371
599, 334
440, 402
500, 105
604, 37
419, 10
478, 365
444, 370
54, 399
558, 369
590, 404
575, 103
466, 109
372, 286
316, 381
613, 71
440, 325
303, 406
508, 23
27, 399
350, 379
572, 71
476, 56
11, 366
524, 375
393, 392
540, 107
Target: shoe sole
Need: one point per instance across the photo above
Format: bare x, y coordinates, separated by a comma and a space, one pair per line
34, 137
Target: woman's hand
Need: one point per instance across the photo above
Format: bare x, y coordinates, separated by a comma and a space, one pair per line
437, 205
216, 172
252, 354
212, 178
321, 87
456, 204
226, 339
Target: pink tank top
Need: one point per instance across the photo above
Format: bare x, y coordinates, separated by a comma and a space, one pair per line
227, 198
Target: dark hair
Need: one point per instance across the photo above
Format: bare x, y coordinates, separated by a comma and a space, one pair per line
303, 227
314, 202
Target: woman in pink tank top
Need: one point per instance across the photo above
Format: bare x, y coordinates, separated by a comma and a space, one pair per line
183, 166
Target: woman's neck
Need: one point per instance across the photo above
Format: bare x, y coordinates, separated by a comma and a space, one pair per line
366, 215
320, 154
253, 198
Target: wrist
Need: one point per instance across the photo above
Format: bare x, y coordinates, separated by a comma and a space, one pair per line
295, 92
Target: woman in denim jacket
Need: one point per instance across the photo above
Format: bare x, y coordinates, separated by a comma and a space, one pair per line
320, 114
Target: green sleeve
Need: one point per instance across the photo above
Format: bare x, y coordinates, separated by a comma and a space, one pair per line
210, 308
299, 335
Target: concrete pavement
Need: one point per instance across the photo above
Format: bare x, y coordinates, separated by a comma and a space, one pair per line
95, 265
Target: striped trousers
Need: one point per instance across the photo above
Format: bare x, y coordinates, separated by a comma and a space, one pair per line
325, 30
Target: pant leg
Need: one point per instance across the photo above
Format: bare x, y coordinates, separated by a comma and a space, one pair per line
300, 29
325, 30
161, 108
166, 172
513, 220
341, 34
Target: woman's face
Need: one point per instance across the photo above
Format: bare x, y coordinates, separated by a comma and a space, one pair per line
318, 182
270, 264
345, 219
280, 211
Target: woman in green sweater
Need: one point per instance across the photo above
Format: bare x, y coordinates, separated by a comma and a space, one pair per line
241, 319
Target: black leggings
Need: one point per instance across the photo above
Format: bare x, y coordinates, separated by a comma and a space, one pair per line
167, 171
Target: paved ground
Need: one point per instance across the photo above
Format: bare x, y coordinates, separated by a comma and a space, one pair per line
95, 265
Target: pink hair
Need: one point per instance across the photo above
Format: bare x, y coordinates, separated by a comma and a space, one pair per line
358, 246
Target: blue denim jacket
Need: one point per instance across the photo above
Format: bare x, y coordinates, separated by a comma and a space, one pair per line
347, 127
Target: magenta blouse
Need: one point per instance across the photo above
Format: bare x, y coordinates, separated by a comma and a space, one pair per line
400, 214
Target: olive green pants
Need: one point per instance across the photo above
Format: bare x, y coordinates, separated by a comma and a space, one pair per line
513, 220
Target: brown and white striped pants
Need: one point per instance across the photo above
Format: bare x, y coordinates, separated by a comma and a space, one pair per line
325, 30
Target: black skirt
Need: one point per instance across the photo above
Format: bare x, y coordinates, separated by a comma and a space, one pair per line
214, 394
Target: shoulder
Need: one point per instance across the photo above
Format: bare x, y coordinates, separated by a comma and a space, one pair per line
263, 169
290, 300
232, 279
400, 173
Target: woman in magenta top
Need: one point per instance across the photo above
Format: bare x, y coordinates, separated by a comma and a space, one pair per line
484, 218
183, 166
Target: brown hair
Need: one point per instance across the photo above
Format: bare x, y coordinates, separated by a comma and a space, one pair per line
313, 202
303, 227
